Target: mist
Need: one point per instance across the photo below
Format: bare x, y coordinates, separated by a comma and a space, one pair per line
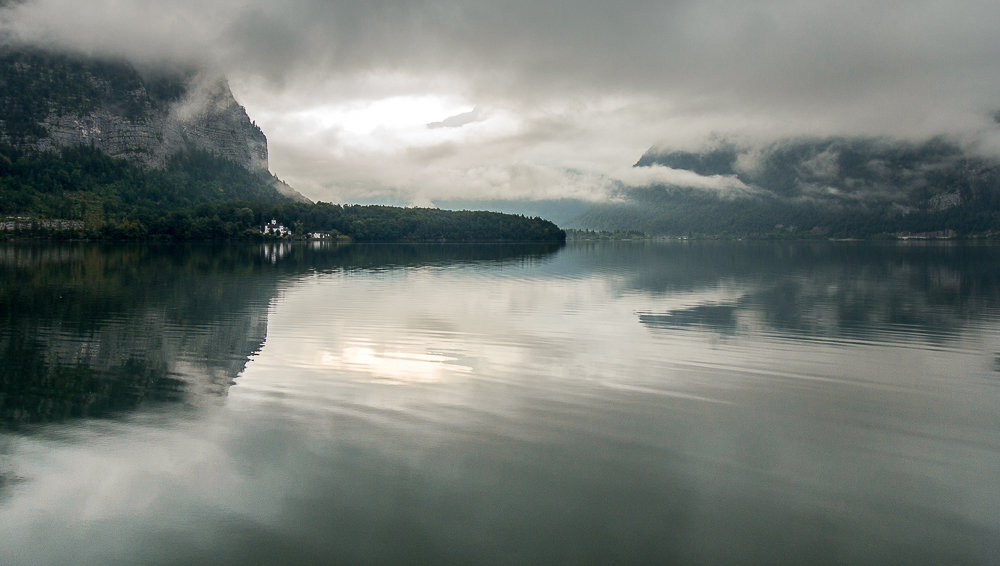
421, 102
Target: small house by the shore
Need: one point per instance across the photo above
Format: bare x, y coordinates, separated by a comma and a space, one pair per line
273, 228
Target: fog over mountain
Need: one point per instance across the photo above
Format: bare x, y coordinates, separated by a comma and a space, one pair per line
423, 102
833, 186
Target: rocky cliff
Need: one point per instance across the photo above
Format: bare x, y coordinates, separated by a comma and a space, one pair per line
49, 101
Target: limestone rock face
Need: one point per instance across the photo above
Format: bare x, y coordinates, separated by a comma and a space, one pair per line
49, 101
210, 118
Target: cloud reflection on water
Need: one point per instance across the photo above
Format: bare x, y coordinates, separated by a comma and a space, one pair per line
544, 419
399, 367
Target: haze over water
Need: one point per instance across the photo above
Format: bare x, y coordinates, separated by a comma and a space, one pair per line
688, 403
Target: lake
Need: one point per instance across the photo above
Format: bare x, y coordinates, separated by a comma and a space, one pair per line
612, 403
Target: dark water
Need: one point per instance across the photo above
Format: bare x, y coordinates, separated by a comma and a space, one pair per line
689, 403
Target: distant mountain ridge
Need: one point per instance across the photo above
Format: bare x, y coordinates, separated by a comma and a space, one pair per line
51, 101
871, 170
835, 186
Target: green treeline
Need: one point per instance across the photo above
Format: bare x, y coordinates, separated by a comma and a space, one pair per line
371, 223
199, 196
691, 213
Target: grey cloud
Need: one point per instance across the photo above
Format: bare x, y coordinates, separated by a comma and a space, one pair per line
715, 53
681, 69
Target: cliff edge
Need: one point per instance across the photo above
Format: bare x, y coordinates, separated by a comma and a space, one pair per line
50, 101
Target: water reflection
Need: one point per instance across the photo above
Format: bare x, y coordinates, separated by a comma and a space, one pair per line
399, 366
699, 403
822, 289
721, 318
95, 330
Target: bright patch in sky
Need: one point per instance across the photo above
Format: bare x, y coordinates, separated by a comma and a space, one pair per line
398, 114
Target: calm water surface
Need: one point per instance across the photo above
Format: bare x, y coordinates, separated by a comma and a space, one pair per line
688, 403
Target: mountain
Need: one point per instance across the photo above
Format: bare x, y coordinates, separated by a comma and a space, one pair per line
51, 102
837, 186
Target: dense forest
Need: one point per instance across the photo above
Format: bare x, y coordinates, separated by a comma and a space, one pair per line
683, 212
82, 193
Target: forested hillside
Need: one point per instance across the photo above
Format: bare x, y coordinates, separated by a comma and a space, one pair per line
199, 196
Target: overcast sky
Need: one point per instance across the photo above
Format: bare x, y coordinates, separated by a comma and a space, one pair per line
415, 101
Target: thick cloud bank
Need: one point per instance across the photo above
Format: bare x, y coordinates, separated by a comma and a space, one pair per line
418, 101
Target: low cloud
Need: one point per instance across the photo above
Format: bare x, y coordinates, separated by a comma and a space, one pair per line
660, 175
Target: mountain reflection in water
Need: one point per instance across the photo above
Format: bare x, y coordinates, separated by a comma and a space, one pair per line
612, 403
95, 330
853, 291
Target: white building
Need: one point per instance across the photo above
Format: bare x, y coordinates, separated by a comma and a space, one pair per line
273, 228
